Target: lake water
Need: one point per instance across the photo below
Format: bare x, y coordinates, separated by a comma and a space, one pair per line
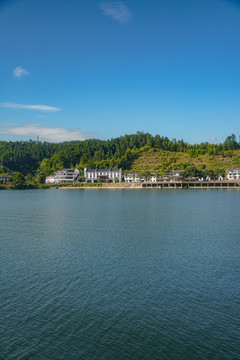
119, 274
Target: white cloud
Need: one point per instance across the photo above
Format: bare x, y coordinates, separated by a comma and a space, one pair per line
29, 107
45, 133
213, 139
117, 10
19, 72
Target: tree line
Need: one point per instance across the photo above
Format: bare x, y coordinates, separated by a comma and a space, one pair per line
40, 159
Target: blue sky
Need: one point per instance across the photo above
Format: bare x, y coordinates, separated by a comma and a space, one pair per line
74, 69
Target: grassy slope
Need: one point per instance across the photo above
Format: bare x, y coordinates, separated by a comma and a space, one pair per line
162, 161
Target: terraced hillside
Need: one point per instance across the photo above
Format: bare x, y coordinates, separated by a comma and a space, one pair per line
162, 161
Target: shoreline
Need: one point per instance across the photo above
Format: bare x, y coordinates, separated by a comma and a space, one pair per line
227, 185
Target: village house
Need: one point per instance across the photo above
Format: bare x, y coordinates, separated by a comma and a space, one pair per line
173, 176
102, 175
129, 178
178, 174
233, 174
153, 177
4, 179
134, 178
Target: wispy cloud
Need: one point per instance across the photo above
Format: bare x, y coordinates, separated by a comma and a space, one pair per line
19, 72
213, 139
45, 133
117, 10
45, 108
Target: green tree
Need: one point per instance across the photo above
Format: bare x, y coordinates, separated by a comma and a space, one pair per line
18, 180
231, 143
190, 172
29, 178
40, 178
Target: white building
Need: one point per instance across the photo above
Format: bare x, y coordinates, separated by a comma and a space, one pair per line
50, 180
129, 178
63, 176
4, 179
135, 178
102, 175
178, 174
153, 177
210, 178
233, 174
174, 175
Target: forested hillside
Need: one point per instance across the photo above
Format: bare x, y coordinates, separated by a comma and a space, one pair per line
25, 156
137, 152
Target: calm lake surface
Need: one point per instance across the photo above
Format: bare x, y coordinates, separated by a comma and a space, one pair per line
119, 274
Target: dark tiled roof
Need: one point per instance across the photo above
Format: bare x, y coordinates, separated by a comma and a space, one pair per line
102, 170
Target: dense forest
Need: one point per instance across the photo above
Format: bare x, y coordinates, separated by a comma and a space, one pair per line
36, 158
